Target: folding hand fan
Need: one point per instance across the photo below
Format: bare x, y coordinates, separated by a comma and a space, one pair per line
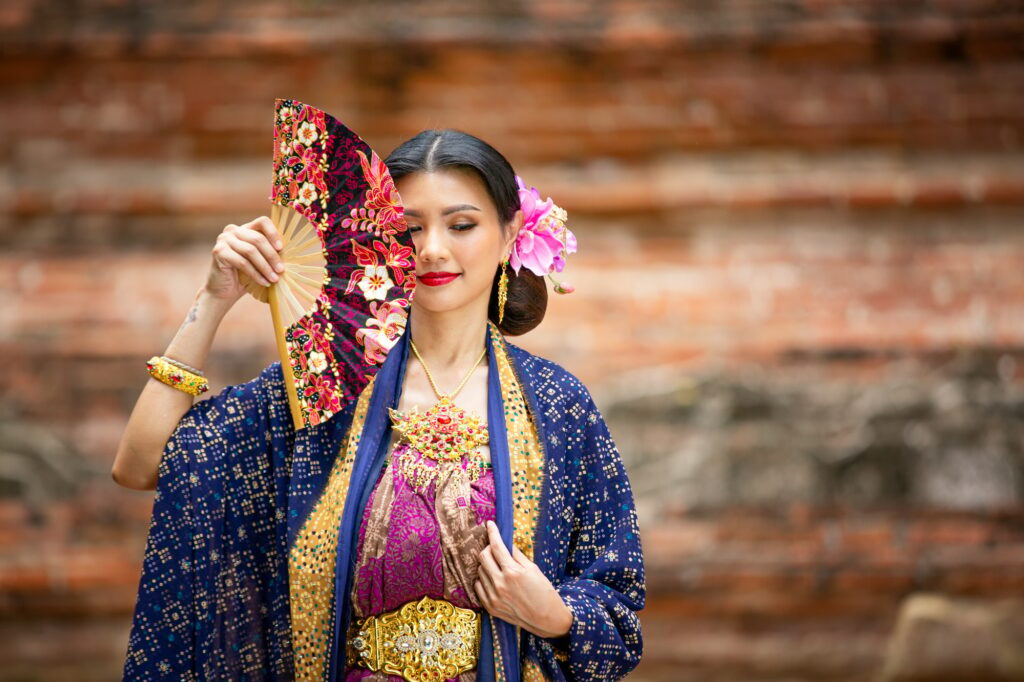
342, 301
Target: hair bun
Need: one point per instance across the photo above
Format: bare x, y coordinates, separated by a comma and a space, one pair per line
526, 303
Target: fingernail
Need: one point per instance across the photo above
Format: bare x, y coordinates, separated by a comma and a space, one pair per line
279, 267
273, 277
279, 244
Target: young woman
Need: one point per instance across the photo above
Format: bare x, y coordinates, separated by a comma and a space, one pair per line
359, 548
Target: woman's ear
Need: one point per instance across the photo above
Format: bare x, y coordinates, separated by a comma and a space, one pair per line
515, 225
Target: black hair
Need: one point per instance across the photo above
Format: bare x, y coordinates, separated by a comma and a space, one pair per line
437, 149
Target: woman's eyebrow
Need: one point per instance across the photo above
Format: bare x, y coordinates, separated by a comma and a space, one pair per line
450, 209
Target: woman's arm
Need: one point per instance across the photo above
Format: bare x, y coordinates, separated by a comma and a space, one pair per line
604, 584
584, 625
252, 248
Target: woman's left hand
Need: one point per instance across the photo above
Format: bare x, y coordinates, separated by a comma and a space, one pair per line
512, 587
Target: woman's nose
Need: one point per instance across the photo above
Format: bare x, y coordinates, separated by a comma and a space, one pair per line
431, 245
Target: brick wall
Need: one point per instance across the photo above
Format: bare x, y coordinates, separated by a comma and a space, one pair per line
799, 298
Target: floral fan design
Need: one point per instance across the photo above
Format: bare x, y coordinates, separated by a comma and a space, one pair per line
342, 301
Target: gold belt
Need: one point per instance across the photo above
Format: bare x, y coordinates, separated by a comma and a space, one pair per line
421, 640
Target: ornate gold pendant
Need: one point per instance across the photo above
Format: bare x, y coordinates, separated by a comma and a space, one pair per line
444, 432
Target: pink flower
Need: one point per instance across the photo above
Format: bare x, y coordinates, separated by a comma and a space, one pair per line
382, 202
320, 393
383, 327
539, 245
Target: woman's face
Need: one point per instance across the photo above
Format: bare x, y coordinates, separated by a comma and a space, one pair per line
455, 229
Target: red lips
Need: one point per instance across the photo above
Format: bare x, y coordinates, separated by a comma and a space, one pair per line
433, 279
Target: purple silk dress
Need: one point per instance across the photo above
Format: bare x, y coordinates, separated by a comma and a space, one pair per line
420, 541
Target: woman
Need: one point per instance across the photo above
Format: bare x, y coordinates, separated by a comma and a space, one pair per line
358, 548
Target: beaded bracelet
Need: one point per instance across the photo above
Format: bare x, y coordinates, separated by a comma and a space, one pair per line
179, 363
161, 369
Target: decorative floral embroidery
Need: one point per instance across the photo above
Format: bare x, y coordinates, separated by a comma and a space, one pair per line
307, 133
318, 361
383, 213
329, 175
383, 329
375, 282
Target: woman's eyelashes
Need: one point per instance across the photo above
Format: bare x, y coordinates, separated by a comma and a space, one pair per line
461, 227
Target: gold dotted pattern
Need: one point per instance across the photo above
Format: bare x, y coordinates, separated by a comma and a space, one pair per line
532, 672
525, 453
312, 558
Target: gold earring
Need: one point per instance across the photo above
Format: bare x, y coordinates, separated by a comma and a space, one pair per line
502, 291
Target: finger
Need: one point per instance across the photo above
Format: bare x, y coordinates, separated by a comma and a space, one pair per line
491, 588
498, 548
267, 226
488, 566
256, 236
491, 600
485, 597
251, 252
239, 263
518, 555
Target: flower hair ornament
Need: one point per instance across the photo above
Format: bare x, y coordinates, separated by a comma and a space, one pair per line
542, 245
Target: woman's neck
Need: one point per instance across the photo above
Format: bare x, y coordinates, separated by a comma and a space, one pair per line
450, 341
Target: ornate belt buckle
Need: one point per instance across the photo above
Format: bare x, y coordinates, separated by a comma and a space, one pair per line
421, 641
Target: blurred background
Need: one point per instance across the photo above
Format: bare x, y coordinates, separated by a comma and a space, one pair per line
799, 304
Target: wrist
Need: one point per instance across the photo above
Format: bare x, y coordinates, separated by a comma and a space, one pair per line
564, 624
205, 301
560, 621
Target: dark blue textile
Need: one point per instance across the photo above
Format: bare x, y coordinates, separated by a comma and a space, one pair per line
236, 482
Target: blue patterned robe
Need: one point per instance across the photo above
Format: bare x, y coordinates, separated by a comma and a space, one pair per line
236, 481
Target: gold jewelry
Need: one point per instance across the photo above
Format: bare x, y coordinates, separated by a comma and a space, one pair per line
502, 291
429, 639
178, 363
162, 369
445, 433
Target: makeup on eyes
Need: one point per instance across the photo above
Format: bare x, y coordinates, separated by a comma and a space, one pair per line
461, 227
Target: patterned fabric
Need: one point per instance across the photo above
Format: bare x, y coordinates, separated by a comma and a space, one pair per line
323, 170
587, 539
237, 485
415, 542
526, 455
312, 559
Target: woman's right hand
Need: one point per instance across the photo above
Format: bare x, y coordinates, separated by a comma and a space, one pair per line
253, 248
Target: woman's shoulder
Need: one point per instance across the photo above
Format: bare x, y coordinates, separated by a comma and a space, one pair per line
548, 377
266, 385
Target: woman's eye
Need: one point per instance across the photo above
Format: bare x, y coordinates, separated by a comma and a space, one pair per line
461, 227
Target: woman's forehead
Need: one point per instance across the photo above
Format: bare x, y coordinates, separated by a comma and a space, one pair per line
442, 191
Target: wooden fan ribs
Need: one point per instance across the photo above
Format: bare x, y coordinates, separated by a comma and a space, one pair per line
349, 215
305, 266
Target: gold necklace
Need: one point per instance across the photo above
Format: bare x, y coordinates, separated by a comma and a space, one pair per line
445, 431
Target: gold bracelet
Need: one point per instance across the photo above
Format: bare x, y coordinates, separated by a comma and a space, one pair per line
179, 363
176, 377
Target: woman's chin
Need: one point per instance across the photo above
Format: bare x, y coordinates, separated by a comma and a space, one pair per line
438, 304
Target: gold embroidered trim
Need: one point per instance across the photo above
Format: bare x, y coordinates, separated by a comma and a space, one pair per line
526, 457
532, 672
312, 558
